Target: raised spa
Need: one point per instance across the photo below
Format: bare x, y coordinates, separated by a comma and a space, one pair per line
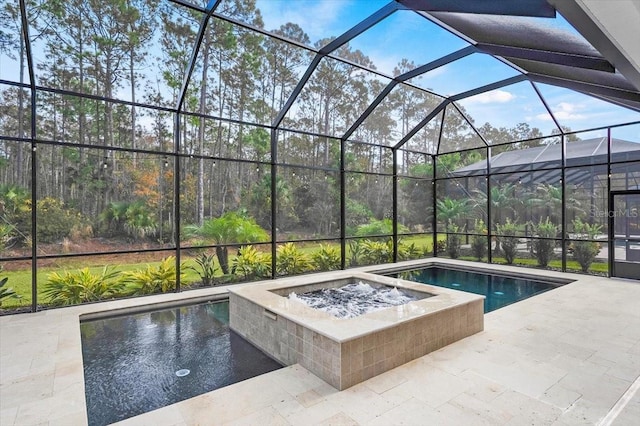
347, 351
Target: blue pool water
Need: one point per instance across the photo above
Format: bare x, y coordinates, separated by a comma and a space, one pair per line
141, 362
499, 290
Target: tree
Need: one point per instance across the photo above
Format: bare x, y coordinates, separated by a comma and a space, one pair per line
230, 229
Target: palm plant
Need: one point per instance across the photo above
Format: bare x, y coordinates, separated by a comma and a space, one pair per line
449, 209
502, 198
549, 197
232, 228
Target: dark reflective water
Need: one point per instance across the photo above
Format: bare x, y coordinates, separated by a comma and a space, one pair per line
499, 290
130, 362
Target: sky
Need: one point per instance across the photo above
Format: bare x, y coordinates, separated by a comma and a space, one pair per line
405, 34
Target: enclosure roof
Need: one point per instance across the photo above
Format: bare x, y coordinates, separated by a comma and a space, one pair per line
529, 42
578, 153
397, 73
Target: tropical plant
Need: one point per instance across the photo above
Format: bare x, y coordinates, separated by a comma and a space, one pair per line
6, 292
503, 199
250, 263
327, 258
133, 219
543, 246
291, 261
153, 279
479, 241
230, 229
376, 252
549, 198
449, 209
454, 240
206, 268
409, 251
72, 288
507, 239
585, 252
355, 252
140, 221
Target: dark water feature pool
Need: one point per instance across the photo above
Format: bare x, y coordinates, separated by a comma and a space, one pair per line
141, 362
499, 290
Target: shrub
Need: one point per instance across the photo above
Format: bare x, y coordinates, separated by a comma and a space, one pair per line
479, 242
55, 221
72, 288
454, 241
355, 252
376, 252
250, 263
154, 279
508, 240
15, 208
291, 261
409, 251
585, 252
140, 222
206, 268
134, 219
327, 258
441, 246
543, 246
379, 227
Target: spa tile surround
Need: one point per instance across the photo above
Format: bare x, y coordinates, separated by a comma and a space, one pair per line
345, 352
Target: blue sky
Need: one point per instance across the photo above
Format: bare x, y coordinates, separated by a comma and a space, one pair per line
407, 35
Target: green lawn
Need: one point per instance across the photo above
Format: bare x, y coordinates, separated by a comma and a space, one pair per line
20, 281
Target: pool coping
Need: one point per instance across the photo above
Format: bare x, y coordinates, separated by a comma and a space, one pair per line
34, 354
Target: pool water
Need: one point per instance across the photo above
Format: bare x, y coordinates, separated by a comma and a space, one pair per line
499, 290
352, 300
141, 362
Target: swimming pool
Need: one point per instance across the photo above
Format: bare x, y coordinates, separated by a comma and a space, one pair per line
141, 362
499, 290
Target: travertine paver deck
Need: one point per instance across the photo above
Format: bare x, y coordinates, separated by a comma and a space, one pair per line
565, 357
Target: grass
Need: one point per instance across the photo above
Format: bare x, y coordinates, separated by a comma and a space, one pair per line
20, 280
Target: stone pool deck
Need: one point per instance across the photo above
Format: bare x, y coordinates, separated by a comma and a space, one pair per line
570, 356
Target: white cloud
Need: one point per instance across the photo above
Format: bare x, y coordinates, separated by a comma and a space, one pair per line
564, 111
492, 97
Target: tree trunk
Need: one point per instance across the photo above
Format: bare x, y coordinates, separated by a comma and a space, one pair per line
223, 258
